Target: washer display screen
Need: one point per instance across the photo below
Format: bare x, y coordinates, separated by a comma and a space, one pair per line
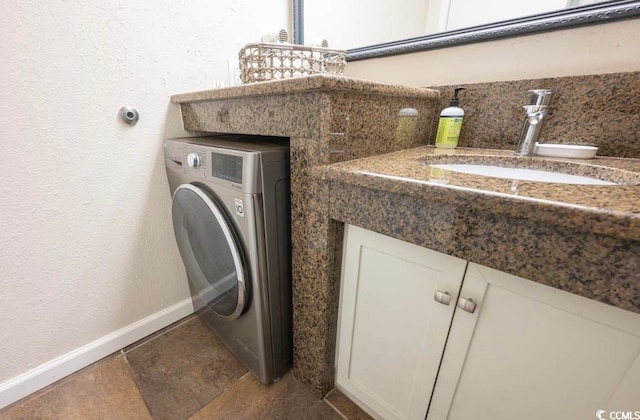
226, 167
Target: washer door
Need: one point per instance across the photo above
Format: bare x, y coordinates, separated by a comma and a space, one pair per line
210, 250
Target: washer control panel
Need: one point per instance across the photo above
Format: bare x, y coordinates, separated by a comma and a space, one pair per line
223, 162
194, 160
215, 164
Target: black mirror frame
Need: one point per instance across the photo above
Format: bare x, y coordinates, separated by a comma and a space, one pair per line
544, 22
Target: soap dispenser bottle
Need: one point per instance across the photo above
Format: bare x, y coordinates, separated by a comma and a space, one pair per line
450, 123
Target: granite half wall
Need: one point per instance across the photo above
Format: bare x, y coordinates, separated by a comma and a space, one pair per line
331, 119
600, 109
328, 119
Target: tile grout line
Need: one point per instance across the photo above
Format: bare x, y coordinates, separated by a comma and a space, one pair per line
180, 323
133, 376
334, 408
219, 394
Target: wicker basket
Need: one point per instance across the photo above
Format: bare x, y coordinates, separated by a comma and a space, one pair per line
260, 62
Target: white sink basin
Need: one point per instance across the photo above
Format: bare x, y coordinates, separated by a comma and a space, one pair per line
521, 174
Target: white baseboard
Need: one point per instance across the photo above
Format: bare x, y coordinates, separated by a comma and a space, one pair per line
56, 369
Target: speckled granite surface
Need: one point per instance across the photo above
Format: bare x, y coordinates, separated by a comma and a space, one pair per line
583, 239
305, 84
328, 119
599, 109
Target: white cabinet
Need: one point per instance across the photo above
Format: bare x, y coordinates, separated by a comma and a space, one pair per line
530, 351
527, 351
392, 332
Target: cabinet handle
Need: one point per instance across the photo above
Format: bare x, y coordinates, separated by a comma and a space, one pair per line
442, 297
467, 305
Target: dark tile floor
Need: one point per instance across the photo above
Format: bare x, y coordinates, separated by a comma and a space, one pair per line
181, 372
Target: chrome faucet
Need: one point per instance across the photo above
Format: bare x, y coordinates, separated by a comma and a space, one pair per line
535, 114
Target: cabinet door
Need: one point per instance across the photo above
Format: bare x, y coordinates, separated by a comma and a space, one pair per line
391, 331
530, 351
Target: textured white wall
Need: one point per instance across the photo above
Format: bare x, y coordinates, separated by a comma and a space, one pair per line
86, 240
356, 23
467, 13
606, 48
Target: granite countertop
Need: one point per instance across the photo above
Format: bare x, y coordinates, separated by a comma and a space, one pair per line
305, 84
608, 210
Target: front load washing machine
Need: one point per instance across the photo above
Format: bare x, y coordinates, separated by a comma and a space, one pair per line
231, 218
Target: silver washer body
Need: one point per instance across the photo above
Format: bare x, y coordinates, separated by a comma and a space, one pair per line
231, 215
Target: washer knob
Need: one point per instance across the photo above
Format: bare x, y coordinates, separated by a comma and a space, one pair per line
193, 160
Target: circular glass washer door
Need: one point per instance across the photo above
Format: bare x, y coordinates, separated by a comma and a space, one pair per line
210, 250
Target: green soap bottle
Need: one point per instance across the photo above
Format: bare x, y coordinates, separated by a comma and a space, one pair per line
450, 123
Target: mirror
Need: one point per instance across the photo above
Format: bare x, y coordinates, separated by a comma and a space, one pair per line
377, 28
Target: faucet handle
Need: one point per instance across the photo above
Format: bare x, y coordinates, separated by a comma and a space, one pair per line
540, 97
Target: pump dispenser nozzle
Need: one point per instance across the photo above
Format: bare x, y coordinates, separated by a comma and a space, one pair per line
455, 101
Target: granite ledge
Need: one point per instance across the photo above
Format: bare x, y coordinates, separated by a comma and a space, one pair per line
609, 210
319, 82
594, 266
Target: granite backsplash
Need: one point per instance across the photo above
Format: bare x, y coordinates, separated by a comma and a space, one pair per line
601, 109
